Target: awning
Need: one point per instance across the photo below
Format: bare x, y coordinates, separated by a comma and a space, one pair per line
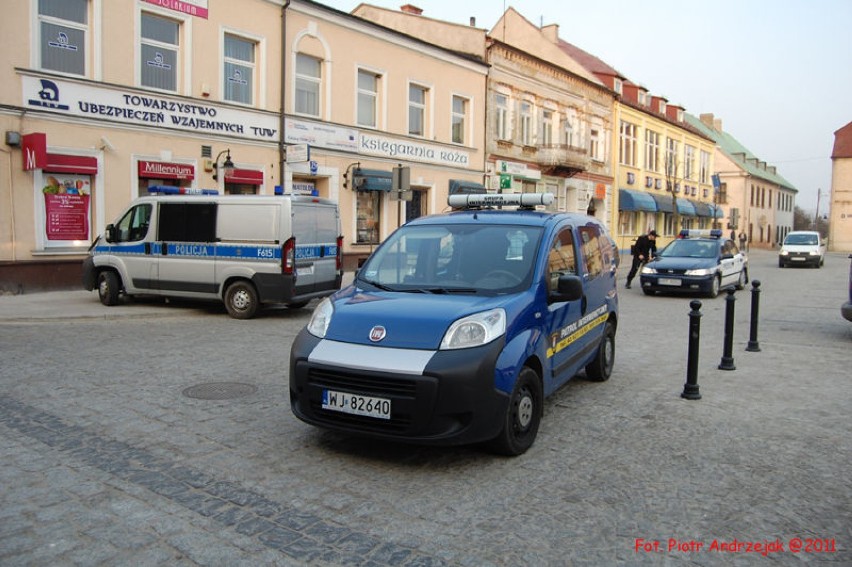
372, 180
685, 207
664, 202
463, 187
62, 163
245, 177
707, 210
632, 200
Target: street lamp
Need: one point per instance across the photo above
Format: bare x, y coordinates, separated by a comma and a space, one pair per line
227, 165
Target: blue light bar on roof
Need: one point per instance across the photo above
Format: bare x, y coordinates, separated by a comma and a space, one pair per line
171, 190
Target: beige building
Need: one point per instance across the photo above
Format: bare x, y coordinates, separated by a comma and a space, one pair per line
755, 198
101, 100
840, 219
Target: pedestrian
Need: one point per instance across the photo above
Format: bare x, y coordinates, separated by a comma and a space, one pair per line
644, 250
733, 235
743, 240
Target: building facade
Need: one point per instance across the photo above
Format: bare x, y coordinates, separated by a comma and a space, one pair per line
755, 198
102, 100
840, 214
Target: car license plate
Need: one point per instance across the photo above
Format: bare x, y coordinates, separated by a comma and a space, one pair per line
356, 404
797, 259
305, 271
668, 281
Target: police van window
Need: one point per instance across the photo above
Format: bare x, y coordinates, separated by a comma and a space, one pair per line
592, 256
561, 259
187, 222
133, 226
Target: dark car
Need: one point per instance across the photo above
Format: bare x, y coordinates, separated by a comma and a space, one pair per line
847, 307
701, 262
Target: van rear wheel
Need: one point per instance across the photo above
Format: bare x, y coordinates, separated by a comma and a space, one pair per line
108, 287
241, 300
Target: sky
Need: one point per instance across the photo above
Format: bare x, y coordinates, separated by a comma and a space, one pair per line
778, 73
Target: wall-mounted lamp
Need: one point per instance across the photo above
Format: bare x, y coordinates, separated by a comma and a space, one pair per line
227, 165
346, 178
106, 144
13, 138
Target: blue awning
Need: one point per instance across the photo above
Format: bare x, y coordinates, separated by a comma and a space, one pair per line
632, 200
664, 202
685, 207
372, 180
708, 210
464, 187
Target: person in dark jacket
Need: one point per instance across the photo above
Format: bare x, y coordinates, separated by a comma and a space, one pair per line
644, 250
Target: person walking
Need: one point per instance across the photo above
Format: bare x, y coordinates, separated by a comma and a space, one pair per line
743, 240
644, 250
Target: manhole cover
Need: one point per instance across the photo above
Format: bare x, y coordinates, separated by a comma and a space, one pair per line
219, 391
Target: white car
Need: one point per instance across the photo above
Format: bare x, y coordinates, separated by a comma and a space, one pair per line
802, 248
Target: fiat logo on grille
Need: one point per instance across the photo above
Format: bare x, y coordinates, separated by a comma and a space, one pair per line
377, 333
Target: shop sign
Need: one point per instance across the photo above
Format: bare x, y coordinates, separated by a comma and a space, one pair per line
412, 151
320, 135
127, 107
163, 170
518, 170
67, 216
196, 8
34, 150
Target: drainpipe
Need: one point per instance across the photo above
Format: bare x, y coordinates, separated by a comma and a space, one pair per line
282, 143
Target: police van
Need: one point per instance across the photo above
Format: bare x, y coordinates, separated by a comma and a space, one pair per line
242, 250
460, 324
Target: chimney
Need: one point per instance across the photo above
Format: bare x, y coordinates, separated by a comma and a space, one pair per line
551, 33
411, 9
706, 119
772, 170
472, 22
717, 124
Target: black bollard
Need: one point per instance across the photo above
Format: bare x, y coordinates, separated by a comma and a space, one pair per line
728, 352
753, 345
690, 389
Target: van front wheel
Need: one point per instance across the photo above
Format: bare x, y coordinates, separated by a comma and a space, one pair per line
108, 287
241, 300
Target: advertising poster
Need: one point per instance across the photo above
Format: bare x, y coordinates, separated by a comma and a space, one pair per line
66, 205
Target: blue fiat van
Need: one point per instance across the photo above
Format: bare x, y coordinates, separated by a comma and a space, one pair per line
460, 324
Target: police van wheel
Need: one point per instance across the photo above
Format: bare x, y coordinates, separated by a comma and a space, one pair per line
241, 300
523, 416
108, 287
600, 369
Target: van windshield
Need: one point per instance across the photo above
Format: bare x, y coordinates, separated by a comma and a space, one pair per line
802, 239
464, 258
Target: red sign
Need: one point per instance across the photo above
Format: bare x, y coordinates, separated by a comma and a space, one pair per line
245, 176
192, 7
34, 150
67, 216
164, 170
600, 191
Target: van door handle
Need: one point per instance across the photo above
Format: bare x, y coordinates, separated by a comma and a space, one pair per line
148, 248
164, 249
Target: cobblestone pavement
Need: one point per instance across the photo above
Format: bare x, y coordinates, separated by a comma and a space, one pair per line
108, 460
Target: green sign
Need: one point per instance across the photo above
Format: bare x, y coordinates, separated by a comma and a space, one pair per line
505, 181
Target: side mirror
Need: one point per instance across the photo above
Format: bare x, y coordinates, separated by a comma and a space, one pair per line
568, 288
109, 233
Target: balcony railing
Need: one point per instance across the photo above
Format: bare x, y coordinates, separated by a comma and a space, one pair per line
563, 157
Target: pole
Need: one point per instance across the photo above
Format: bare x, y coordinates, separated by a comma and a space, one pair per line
690, 389
753, 345
727, 355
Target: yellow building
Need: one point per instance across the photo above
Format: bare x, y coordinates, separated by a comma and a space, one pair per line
840, 220
102, 99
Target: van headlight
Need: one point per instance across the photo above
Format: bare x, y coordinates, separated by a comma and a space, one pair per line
784, 252
320, 319
475, 330
814, 252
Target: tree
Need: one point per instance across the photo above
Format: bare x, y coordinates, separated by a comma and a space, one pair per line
672, 184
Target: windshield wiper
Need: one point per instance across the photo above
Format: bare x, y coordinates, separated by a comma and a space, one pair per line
381, 286
447, 290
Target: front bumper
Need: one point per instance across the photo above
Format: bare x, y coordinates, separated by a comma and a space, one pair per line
452, 402
798, 260
677, 283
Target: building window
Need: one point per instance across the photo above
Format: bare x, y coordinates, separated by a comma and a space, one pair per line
159, 52
460, 106
595, 145
641, 97
368, 98
671, 158
547, 128
526, 123
63, 28
367, 211
239, 69
417, 110
501, 116
652, 151
568, 131
308, 78
627, 144
688, 162
704, 172
618, 86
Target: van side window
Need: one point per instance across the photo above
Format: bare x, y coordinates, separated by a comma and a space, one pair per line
561, 259
187, 222
592, 257
133, 226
